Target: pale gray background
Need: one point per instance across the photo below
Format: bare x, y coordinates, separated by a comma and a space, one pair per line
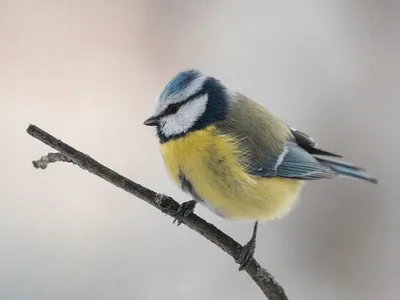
89, 72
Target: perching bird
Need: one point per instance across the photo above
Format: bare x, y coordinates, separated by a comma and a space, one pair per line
233, 155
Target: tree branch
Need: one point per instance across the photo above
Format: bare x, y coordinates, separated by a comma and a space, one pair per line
265, 281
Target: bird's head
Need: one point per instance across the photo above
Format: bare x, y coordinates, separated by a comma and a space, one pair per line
190, 101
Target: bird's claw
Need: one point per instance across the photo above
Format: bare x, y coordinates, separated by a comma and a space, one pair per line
184, 210
246, 254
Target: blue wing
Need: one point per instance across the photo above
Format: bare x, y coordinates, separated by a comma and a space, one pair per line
294, 162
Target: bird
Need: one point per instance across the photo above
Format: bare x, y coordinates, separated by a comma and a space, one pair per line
234, 156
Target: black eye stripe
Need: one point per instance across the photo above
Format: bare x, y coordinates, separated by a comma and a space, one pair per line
196, 95
174, 107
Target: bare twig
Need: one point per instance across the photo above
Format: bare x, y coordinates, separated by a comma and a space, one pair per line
43, 162
265, 281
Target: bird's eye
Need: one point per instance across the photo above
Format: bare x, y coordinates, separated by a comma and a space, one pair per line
173, 108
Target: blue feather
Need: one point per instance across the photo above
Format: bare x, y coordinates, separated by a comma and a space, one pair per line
180, 82
346, 169
297, 163
294, 163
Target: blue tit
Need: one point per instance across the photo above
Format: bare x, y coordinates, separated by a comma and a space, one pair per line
233, 155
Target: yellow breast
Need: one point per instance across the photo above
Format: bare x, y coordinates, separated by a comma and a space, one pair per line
214, 167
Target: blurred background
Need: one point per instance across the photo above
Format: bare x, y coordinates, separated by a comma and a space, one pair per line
89, 73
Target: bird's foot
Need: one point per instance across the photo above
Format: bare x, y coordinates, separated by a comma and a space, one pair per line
246, 254
184, 210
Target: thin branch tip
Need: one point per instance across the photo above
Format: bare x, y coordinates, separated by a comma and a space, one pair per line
65, 153
44, 161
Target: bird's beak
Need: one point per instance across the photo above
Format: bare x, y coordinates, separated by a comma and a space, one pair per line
152, 121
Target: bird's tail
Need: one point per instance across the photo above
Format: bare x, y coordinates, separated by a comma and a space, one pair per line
346, 169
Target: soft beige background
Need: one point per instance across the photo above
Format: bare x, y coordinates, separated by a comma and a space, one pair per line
89, 72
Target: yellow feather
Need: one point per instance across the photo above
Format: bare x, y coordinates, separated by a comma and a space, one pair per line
215, 166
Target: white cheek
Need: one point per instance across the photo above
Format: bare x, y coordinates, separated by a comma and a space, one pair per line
185, 118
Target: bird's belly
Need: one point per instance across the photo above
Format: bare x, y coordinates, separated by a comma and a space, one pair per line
210, 167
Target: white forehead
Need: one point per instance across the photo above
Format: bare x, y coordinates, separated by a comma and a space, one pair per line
181, 94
